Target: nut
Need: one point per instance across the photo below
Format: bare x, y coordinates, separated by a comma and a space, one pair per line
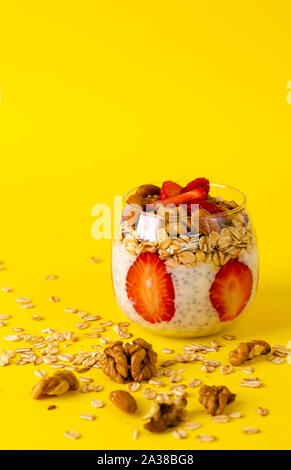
165, 414
214, 398
134, 361
60, 383
246, 351
123, 400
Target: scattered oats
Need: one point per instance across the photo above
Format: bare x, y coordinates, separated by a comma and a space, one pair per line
37, 317
135, 434
83, 325
248, 370
3, 323
95, 346
168, 363
229, 337
12, 338
23, 300
88, 416
25, 306
67, 345
51, 277
54, 298
235, 415
225, 370
58, 366
65, 357
205, 438
251, 382
18, 330
215, 344
91, 317
40, 373
105, 340
51, 407
94, 259
93, 335
191, 426
174, 378
133, 386
248, 430
208, 369
168, 351
280, 351
262, 411
278, 360
156, 383
289, 358
87, 380
220, 419
48, 330
106, 323
195, 383
97, 403
98, 388
179, 434
72, 434
149, 394
4, 359
7, 289
71, 310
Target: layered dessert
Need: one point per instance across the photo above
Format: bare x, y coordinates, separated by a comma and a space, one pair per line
186, 263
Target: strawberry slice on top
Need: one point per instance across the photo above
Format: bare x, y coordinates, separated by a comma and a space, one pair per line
170, 189
150, 288
231, 289
197, 183
183, 198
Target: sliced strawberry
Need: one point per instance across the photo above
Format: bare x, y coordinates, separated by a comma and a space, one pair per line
150, 288
198, 183
231, 289
170, 189
196, 194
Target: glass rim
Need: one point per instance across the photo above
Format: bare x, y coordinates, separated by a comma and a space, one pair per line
219, 214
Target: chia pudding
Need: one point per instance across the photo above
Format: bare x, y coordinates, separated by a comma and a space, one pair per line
186, 285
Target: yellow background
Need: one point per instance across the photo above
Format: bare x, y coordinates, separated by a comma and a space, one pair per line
98, 97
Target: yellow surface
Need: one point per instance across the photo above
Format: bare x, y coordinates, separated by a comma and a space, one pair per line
97, 97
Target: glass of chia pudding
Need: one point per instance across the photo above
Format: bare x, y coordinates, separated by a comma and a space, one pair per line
186, 261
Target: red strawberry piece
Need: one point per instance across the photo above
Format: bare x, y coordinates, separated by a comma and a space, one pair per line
196, 194
150, 288
198, 183
209, 206
170, 189
231, 289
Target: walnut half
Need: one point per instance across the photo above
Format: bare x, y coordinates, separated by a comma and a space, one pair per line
215, 398
131, 361
246, 351
165, 414
60, 383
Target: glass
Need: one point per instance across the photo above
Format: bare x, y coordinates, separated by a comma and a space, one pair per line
186, 274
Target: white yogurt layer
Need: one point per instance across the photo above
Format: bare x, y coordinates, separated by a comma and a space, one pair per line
194, 314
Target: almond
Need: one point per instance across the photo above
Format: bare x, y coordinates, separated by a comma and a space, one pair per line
123, 400
207, 223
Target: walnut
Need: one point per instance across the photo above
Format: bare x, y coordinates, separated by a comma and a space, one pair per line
60, 383
246, 351
132, 361
114, 362
165, 414
214, 398
142, 359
